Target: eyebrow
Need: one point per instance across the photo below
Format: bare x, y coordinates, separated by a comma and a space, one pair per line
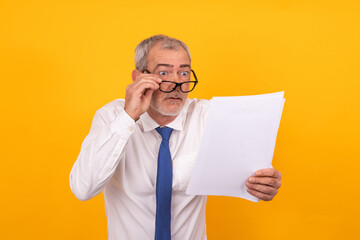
185, 65
170, 65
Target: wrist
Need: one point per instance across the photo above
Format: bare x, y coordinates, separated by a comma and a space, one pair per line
134, 116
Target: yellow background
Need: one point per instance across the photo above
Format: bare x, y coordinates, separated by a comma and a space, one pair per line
62, 60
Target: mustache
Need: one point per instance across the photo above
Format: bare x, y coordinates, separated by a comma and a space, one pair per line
175, 94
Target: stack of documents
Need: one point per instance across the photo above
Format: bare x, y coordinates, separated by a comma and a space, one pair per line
239, 139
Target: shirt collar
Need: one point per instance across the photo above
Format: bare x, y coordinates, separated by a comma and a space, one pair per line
149, 124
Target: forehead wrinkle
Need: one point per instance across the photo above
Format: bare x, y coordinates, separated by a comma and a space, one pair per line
172, 66
164, 65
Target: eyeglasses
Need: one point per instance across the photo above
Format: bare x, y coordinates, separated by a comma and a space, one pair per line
167, 86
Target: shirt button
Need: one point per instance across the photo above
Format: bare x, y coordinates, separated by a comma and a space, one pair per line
131, 129
116, 155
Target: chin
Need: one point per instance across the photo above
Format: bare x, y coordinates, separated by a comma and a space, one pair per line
170, 111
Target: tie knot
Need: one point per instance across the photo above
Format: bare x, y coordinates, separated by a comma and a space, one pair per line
165, 132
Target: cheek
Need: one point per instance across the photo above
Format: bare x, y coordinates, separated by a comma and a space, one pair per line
157, 96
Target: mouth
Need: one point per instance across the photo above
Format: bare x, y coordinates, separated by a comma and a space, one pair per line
174, 98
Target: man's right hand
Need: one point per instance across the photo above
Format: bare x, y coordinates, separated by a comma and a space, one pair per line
139, 93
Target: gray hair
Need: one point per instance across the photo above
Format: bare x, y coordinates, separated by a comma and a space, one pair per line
142, 50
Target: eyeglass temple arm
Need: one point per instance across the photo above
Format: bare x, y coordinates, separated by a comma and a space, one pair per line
194, 75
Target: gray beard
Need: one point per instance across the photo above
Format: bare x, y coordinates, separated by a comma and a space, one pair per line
164, 113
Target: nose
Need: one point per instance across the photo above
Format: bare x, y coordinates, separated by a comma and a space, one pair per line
176, 77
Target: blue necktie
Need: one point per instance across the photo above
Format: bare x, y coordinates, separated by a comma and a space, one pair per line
163, 187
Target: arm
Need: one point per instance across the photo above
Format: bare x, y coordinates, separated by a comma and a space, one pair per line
111, 128
100, 153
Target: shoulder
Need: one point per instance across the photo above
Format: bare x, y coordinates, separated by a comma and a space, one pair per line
117, 104
197, 104
195, 112
111, 110
196, 107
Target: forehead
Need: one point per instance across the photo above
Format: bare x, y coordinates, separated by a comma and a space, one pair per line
158, 55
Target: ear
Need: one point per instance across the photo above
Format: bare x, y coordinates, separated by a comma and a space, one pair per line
135, 74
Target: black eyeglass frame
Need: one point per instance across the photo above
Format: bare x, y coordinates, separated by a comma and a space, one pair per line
178, 84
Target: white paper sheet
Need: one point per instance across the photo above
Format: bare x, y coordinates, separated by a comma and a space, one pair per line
239, 138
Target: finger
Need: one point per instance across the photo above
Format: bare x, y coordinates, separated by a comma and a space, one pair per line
143, 81
270, 181
152, 77
140, 88
146, 85
262, 188
268, 172
260, 195
148, 93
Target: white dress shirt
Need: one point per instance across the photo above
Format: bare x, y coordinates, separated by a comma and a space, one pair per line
119, 157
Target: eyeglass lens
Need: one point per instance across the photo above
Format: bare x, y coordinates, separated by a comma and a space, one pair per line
188, 77
167, 86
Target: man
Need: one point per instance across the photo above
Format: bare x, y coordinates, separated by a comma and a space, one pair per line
143, 173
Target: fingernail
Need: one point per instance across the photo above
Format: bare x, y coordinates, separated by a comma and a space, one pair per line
258, 173
251, 179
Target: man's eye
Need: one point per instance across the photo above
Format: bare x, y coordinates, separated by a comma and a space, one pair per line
162, 73
184, 73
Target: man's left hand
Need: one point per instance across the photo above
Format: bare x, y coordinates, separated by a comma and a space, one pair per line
264, 184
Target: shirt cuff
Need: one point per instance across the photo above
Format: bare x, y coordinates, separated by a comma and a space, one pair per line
124, 125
